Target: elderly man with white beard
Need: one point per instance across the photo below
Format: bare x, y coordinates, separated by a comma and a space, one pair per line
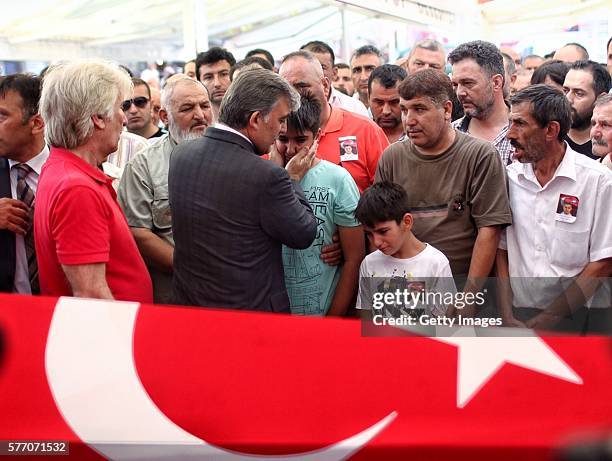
143, 191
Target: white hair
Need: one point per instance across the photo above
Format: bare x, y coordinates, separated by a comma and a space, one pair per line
170, 86
73, 92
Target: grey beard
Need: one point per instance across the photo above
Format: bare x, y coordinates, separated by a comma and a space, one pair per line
181, 136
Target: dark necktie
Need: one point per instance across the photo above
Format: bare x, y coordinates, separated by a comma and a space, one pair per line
26, 195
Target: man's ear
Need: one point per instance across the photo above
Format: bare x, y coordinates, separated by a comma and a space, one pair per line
498, 82
37, 124
163, 116
552, 131
255, 120
98, 121
448, 110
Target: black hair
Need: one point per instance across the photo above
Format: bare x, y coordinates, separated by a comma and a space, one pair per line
138, 82
430, 83
213, 55
28, 87
548, 104
382, 201
317, 46
555, 69
366, 49
342, 65
266, 53
486, 55
388, 75
307, 117
601, 77
127, 70
261, 62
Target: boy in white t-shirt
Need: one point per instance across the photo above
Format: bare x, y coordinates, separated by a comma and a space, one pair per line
401, 261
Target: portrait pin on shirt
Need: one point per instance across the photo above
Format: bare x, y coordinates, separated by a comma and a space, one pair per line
348, 148
567, 208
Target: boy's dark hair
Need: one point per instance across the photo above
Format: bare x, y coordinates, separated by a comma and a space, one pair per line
307, 117
342, 65
266, 53
213, 55
383, 201
28, 87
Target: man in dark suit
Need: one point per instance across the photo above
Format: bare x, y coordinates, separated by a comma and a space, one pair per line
231, 209
22, 153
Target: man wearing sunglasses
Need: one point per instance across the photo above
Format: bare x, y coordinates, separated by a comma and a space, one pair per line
143, 192
138, 111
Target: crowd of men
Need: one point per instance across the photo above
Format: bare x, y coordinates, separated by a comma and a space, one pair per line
235, 184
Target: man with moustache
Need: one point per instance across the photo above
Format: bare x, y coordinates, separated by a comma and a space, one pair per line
213, 70
385, 99
601, 129
143, 191
478, 78
543, 249
455, 182
363, 62
584, 82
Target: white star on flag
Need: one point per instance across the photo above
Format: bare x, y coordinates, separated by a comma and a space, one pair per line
480, 357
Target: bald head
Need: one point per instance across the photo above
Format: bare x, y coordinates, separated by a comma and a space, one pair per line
571, 52
304, 72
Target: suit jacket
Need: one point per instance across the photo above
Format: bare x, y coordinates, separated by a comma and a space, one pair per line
231, 211
7, 238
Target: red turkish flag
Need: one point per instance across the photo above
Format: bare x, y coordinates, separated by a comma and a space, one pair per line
279, 385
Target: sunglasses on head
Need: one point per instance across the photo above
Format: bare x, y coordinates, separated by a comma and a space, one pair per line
139, 102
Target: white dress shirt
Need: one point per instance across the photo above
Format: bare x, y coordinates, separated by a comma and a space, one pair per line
224, 127
22, 275
339, 99
540, 243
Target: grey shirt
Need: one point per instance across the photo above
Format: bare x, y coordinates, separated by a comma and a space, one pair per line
143, 196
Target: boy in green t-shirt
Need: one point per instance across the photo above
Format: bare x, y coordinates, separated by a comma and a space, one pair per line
314, 287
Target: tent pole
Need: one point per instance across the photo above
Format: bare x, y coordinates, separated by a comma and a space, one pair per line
345, 40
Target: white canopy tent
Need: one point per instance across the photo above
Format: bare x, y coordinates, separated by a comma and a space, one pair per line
172, 30
154, 30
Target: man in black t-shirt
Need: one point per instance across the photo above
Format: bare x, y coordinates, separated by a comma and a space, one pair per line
584, 82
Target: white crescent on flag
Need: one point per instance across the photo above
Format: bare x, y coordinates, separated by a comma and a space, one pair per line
91, 371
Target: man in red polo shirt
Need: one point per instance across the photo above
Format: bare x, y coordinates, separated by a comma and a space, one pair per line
83, 243
347, 139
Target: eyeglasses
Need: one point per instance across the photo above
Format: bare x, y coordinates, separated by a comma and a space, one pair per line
139, 102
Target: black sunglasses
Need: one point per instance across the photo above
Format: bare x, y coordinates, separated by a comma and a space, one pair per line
139, 102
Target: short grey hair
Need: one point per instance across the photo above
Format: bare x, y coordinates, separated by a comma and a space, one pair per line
171, 84
73, 92
428, 44
257, 90
603, 99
